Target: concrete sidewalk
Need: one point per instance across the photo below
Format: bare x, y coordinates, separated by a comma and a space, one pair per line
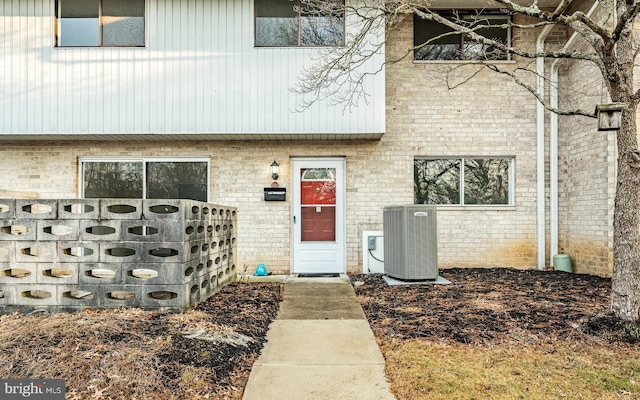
319, 347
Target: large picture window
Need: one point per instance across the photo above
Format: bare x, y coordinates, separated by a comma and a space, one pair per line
463, 181
435, 41
299, 23
94, 23
146, 178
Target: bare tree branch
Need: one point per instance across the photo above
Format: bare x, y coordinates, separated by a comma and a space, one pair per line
535, 93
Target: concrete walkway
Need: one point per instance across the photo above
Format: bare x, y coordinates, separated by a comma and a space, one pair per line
319, 347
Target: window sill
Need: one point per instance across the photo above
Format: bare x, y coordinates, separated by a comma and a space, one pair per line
100, 47
476, 208
301, 47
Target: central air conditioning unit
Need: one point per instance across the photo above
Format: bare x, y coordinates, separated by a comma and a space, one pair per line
410, 245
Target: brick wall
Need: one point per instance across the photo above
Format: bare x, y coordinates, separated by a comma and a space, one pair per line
587, 161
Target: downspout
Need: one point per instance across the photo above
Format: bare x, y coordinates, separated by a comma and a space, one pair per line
553, 161
553, 146
540, 198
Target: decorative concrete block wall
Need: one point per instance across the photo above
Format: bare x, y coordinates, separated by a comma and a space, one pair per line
72, 254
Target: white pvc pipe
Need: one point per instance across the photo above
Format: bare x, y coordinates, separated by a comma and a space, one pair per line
540, 128
553, 163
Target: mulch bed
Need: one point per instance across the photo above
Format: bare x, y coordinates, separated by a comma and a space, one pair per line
247, 309
206, 353
486, 307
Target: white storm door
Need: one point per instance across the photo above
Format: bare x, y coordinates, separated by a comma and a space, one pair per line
318, 216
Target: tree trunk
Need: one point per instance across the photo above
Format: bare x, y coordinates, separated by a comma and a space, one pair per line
625, 282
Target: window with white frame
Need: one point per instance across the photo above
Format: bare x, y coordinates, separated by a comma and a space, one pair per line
435, 41
463, 181
152, 178
96, 23
281, 23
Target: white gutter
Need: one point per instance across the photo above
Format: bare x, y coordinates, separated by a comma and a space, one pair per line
553, 146
553, 161
540, 187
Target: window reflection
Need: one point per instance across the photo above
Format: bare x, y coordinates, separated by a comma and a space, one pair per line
436, 41
146, 179
296, 23
100, 23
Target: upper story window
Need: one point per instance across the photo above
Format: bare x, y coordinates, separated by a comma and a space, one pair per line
445, 44
463, 181
281, 23
96, 23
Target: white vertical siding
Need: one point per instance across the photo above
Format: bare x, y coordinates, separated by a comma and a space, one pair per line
198, 74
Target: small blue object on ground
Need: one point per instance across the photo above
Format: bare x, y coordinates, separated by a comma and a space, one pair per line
261, 270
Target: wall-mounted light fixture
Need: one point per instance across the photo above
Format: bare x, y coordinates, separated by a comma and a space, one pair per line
274, 170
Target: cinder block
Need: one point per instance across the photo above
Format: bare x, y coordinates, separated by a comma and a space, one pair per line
36, 251
228, 213
213, 248
226, 275
190, 270
98, 273
177, 252
78, 251
194, 209
7, 251
205, 288
219, 246
201, 267
216, 259
210, 230
143, 231
36, 294
214, 286
166, 297
194, 249
122, 252
111, 296
168, 273
143, 274
201, 229
7, 294
18, 229
16, 273
78, 209
179, 230
194, 293
57, 229
36, 208
234, 272
80, 296
57, 273
206, 211
120, 209
209, 264
100, 230
154, 209
7, 208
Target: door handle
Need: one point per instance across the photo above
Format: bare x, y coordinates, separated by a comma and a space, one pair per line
294, 219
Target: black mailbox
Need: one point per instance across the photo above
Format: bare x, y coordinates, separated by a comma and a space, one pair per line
275, 194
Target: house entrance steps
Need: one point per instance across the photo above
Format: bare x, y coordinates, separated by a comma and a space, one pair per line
320, 346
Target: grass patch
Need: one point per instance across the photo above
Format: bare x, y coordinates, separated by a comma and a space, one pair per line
421, 369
